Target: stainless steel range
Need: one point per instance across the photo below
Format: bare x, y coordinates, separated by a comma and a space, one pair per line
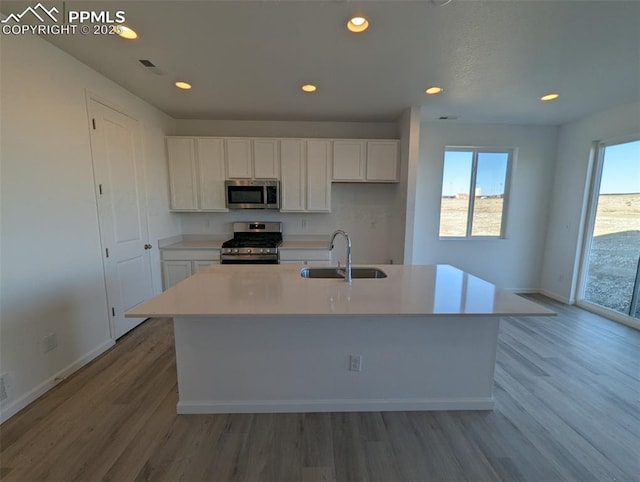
253, 243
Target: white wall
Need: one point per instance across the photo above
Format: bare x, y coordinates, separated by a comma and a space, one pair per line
570, 190
368, 130
514, 262
51, 277
366, 211
405, 202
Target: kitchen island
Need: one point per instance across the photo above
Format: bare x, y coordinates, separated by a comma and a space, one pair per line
260, 338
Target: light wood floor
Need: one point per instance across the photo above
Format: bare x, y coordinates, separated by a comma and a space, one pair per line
567, 400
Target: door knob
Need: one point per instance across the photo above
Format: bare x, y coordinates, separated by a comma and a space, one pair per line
147, 246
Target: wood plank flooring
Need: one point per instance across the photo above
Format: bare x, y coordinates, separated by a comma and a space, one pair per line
567, 393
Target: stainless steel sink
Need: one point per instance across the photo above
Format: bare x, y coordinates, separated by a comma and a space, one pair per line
360, 273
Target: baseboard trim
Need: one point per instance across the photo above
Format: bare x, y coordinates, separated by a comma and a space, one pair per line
524, 291
556, 297
10, 410
306, 406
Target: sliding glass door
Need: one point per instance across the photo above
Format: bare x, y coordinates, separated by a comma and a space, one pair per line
611, 258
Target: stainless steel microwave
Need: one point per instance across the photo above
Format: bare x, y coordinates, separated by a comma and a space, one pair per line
255, 194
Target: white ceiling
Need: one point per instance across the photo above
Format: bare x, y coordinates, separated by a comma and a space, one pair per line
247, 60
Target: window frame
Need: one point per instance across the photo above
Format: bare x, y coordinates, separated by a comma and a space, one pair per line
587, 226
476, 150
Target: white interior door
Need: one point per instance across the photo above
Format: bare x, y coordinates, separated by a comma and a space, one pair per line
116, 151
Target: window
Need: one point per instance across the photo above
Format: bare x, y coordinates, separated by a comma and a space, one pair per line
474, 187
611, 255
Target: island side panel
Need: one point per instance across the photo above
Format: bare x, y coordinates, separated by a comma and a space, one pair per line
301, 364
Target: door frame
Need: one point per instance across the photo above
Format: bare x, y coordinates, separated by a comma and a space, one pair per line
92, 96
594, 171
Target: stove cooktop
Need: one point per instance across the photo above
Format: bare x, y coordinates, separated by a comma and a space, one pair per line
252, 243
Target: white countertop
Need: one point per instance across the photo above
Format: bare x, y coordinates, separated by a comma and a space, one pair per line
195, 244
278, 290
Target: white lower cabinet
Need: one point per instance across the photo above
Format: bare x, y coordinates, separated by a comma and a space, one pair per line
179, 264
200, 265
175, 271
305, 256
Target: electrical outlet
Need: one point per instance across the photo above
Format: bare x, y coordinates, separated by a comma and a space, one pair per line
355, 363
4, 387
49, 342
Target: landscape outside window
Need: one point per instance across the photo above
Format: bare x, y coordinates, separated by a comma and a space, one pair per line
474, 183
613, 257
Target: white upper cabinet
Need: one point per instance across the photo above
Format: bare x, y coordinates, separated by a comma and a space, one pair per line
252, 158
198, 167
358, 160
349, 160
239, 158
318, 175
266, 159
294, 177
196, 173
306, 175
211, 170
382, 161
182, 174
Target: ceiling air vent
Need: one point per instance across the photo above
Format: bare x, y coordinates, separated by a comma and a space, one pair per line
150, 65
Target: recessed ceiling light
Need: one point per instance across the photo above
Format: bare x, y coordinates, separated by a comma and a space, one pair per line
548, 97
309, 88
183, 85
357, 24
434, 90
126, 32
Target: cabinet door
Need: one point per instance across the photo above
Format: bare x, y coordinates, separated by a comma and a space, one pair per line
212, 174
382, 161
319, 175
348, 160
266, 160
293, 175
182, 173
200, 265
239, 158
175, 271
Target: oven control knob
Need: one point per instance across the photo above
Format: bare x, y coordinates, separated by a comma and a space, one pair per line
262, 250
235, 250
249, 250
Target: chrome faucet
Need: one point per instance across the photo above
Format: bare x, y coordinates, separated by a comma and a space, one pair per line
346, 273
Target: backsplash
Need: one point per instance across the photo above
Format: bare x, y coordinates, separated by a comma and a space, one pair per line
363, 210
